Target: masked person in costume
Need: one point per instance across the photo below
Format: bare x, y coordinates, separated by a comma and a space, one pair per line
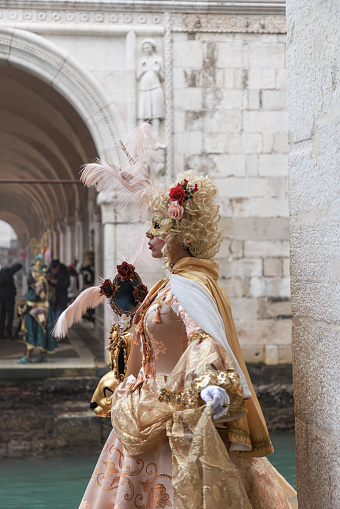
36, 318
188, 431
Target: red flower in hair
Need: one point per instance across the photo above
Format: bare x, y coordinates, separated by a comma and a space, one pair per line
125, 270
178, 193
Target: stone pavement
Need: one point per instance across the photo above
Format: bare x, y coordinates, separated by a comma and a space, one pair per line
81, 354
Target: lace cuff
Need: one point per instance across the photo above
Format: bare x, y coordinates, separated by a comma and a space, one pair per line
228, 380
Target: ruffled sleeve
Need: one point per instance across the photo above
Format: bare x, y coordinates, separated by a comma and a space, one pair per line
205, 362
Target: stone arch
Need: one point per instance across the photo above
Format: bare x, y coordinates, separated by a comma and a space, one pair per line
36, 55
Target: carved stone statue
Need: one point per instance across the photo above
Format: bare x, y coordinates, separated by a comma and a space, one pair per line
150, 75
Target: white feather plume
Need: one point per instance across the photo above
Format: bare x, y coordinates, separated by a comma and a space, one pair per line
89, 298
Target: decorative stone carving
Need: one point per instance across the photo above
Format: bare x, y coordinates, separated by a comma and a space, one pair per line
150, 75
80, 16
231, 23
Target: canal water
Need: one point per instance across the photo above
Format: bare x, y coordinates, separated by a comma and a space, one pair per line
59, 483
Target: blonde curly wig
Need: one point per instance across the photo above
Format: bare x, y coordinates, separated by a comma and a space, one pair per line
198, 229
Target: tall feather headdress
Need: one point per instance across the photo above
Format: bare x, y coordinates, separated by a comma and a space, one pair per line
127, 188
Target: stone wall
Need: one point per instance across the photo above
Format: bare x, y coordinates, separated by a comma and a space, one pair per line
314, 184
229, 104
225, 99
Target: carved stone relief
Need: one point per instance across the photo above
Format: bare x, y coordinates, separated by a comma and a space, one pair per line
228, 23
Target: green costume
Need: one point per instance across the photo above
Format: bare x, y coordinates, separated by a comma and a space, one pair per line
36, 316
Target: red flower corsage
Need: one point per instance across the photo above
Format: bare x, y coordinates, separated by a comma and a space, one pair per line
140, 293
125, 271
107, 289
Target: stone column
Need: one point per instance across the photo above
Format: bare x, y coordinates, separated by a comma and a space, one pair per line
109, 257
97, 243
130, 62
313, 60
61, 253
69, 243
54, 235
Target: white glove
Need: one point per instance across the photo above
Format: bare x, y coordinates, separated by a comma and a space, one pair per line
220, 400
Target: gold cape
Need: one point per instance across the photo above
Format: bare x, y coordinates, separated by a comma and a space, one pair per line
250, 429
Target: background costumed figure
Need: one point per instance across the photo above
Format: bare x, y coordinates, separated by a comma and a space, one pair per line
188, 431
36, 317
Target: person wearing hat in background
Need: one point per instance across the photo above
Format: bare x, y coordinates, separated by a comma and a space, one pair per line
7, 297
59, 279
87, 271
36, 316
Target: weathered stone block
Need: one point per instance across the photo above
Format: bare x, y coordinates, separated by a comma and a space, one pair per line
188, 99
261, 78
264, 121
215, 143
269, 287
180, 121
241, 78
252, 143
236, 287
280, 143
193, 121
77, 429
244, 187
245, 267
260, 207
188, 143
268, 143
255, 228
223, 121
244, 309
190, 52
253, 99
253, 354
252, 165
231, 54
281, 79
278, 308
267, 56
285, 354
201, 165
226, 209
264, 332
266, 248
212, 98
230, 249
229, 78
286, 267
274, 99
221, 143
228, 164
271, 354
232, 99
272, 267
178, 78
273, 165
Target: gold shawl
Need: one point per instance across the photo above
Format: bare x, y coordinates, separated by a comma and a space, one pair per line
250, 429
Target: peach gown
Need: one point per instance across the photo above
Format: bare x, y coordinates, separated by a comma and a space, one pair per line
157, 466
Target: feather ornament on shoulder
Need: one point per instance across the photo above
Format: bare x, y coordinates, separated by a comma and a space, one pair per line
127, 187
